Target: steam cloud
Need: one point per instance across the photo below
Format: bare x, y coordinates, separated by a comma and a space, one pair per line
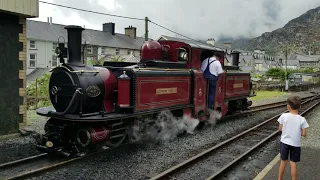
166, 127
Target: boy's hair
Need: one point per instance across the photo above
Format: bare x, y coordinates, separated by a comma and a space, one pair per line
294, 102
218, 55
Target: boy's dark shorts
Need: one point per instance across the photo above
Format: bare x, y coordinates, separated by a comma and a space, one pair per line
286, 150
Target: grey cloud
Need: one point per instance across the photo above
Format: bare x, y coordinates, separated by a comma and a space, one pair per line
197, 19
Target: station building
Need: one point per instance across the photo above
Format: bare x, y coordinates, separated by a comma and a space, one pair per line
13, 16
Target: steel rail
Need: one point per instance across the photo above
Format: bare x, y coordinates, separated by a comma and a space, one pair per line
5, 165
44, 164
267, 106
253, 148
193, 159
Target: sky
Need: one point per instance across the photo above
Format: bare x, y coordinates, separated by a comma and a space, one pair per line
197, 19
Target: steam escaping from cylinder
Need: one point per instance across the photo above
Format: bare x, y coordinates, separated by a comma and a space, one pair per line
214, 117
164, 128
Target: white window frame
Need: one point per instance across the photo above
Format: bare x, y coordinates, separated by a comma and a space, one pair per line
103, 50
35, 60
89, 49
35, 44
54, 46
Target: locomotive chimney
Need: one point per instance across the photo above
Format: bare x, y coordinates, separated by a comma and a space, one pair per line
74, 44
235, 58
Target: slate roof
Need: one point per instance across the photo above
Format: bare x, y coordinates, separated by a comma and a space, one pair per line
308, 58
291, 62
35, 74
245, 59
192, 43
51, 32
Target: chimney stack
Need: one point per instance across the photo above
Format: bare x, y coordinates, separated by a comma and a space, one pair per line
109, 27
74, 44
235, 58
131, 31
211, 41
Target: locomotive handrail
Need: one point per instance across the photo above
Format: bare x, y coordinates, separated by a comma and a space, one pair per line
166, 69
74, 97
78, 71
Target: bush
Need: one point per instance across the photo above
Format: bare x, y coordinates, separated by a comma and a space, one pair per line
39, 91
280, 72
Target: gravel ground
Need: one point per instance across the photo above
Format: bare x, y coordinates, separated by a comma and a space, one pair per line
17, 148
312, 140
22, 147
140, 161
251, 166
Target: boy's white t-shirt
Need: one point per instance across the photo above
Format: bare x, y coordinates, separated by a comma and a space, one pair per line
291, 128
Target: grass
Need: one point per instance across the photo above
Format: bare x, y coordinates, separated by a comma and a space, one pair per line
267, 95
31, 116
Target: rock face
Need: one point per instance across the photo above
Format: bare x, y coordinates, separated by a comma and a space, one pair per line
301, 34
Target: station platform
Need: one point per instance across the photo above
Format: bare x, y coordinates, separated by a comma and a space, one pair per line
307, 169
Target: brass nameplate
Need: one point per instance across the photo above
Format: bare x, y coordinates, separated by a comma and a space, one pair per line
166, 90
240, 85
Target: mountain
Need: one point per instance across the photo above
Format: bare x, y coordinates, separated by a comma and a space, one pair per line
301, 35
237, 43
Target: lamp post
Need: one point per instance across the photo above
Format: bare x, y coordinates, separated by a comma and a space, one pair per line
286, 74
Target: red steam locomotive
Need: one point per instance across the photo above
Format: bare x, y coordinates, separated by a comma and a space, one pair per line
95, 104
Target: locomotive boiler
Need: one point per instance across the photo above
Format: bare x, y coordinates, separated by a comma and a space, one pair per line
94, 105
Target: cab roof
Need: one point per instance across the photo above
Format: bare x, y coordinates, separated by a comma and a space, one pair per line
192, 43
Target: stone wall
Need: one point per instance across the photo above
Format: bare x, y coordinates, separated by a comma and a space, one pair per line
12, 72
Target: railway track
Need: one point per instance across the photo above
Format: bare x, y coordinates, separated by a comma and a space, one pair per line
34, 165
216, 160
274, 105
261, 108
31, 166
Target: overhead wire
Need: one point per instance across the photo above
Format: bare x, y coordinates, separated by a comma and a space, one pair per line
95, 12
172, 31
119, 16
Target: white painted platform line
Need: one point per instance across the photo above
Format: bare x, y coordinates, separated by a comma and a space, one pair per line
265, 171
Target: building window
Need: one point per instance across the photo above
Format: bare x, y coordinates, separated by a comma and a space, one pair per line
32, 60
89, 49
33, 45
129, 52
54, 46
117, 51
54, 60
103, 50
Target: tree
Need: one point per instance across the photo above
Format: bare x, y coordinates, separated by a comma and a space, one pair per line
94, 61
276, 73
280, 72
116, 59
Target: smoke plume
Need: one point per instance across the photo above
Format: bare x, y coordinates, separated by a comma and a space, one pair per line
166, 127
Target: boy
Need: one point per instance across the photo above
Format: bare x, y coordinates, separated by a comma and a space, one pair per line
293, 126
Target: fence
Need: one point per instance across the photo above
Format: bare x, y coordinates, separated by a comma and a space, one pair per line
37, 94
280, 86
